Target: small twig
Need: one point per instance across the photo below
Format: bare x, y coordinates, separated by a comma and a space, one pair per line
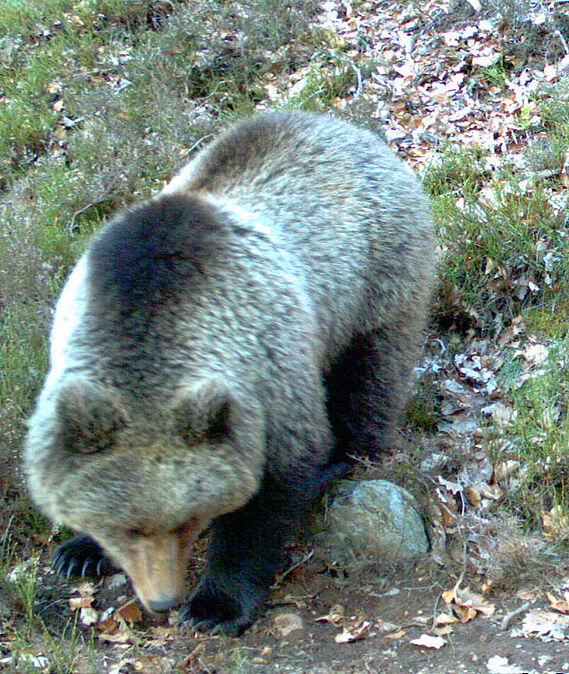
435, 612
301, 561
507, 619
562, 40
71, 225
463, 572
188, 660
359, 77
197, 144
122, 87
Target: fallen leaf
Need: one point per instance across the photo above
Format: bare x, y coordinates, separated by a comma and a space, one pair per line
504, 469
335, 616
448, 596
465, 613
130, 612
535, 354
445, 619
122, 636
476, 601
499, 665
555, 523
467, 605
501, 414
429, 641
88, 616
107, 625
79, 602
385, 626
559, 605
358, 630
473, 496
160, 637
544, 625
491, 491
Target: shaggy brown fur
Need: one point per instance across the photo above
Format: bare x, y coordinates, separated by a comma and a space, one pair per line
212, 342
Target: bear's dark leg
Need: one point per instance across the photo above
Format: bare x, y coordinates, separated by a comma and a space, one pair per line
81, 556
246, 552
368, 388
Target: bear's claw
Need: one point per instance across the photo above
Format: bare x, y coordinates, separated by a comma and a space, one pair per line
81, 556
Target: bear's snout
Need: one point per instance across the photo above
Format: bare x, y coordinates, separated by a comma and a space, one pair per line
163, 605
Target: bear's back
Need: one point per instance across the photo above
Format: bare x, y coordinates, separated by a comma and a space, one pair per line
351, 216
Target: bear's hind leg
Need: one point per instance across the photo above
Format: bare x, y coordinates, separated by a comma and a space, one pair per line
368, 389
81, 556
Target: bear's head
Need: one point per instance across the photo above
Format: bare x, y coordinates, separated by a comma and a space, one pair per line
143, 479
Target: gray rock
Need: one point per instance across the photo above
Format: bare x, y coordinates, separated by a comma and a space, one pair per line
286, 623
373, 519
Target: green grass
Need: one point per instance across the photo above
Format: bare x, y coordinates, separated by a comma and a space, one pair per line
26, 360
505, 255
505, 246
70, 49
324, 85
22, 591
539, 435
39, 19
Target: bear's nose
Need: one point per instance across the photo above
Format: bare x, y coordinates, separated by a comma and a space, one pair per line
162, 605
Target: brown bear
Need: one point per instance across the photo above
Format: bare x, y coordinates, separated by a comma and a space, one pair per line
219, 348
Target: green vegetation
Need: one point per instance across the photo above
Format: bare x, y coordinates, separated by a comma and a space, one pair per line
21, 590
505, 254
538, 436
504, 241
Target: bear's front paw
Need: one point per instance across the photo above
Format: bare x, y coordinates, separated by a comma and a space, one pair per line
81, 556
217, 612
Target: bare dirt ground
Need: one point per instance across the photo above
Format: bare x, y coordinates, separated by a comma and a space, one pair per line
410, 602
388, 608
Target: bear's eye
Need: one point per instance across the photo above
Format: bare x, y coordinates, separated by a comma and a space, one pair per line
182, 530
187, 531
134, 533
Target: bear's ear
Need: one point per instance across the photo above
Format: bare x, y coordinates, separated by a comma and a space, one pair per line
205, 412
89, 418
